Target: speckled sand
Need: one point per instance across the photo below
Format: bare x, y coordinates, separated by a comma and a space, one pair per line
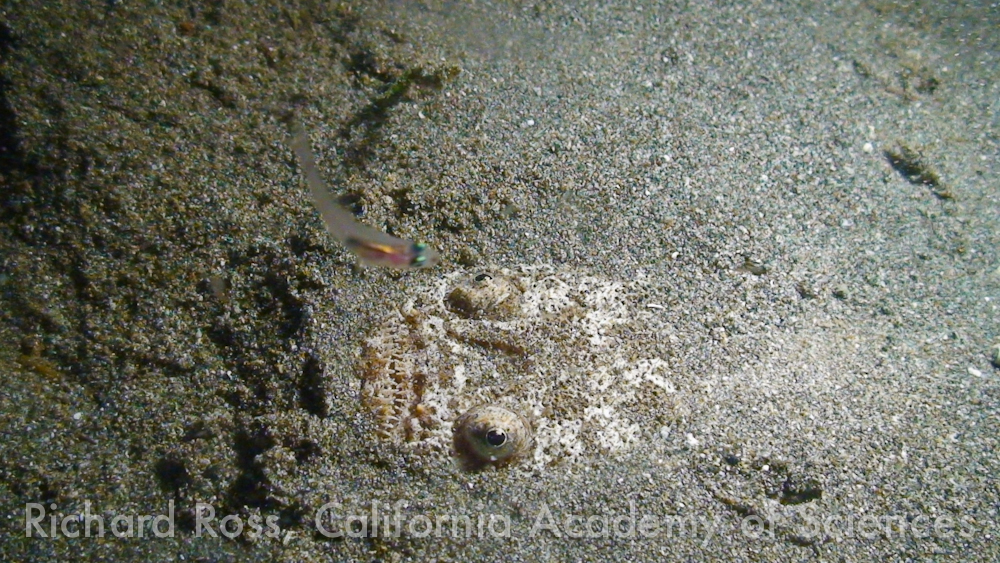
811, 189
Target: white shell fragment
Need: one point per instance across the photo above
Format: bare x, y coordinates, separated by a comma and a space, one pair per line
569, 359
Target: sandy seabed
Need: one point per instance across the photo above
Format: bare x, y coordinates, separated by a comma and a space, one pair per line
808, 190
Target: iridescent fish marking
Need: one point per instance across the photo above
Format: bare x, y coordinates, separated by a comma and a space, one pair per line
370, 245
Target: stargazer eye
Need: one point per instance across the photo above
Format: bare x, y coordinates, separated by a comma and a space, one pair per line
490, 435
496, 437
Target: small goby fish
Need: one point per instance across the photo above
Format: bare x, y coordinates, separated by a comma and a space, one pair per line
370, 245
